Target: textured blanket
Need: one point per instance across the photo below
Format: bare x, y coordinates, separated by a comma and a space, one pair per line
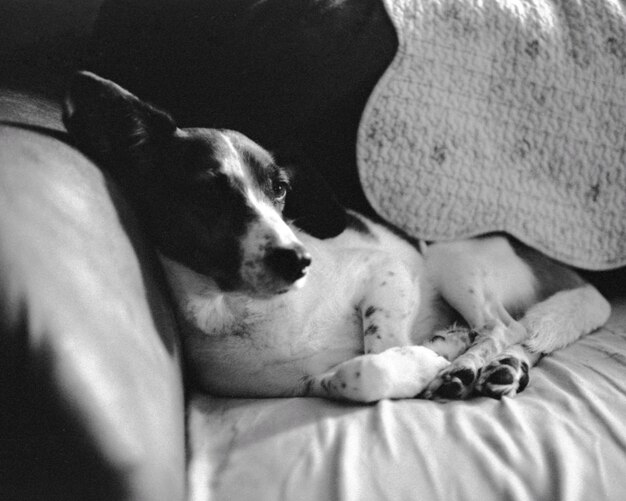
504, 115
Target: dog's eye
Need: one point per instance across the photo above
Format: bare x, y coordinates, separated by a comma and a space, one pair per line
280, 189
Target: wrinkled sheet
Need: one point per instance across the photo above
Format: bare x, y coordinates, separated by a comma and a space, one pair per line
564, 438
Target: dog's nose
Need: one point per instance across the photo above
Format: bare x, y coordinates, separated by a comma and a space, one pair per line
289, 263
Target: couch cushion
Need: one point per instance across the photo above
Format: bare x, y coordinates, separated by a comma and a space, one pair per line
93, 387
294, 76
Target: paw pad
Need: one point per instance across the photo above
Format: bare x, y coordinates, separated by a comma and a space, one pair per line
506, 376
452, 384
450, 389
501, 375
465, 375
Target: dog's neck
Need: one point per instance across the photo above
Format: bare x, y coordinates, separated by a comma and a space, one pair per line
199, 296
206, 305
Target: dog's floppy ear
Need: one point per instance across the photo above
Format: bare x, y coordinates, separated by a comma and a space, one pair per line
110, 124
311, 203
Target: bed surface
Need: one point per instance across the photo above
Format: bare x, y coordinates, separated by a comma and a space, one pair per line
563, 438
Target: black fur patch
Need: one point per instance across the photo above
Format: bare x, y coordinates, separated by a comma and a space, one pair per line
370, 310
355, 223
371, 330
331, 68
311, 204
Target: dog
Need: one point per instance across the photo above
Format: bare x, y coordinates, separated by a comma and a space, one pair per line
269, 309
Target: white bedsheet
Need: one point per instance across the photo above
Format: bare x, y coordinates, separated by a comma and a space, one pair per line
564, 438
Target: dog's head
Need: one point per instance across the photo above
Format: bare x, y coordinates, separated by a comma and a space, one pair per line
211, 199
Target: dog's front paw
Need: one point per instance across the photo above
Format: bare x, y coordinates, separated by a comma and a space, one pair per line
504, 376
455, 382
399, 372
362, 379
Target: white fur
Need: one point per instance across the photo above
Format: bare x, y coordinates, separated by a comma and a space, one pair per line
398, 372
268, 231
311, 339
564, 317
268, 347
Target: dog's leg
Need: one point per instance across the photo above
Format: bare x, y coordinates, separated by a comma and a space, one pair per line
399, 372
389, 306
496, 331
552, 324
478, 279
564, 317
388, 312
390, 367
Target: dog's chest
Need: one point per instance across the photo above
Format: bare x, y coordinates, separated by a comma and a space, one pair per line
247, 346
235, 343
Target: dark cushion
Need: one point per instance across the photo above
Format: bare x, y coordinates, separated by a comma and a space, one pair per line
42, 34
292, 74
92, 397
